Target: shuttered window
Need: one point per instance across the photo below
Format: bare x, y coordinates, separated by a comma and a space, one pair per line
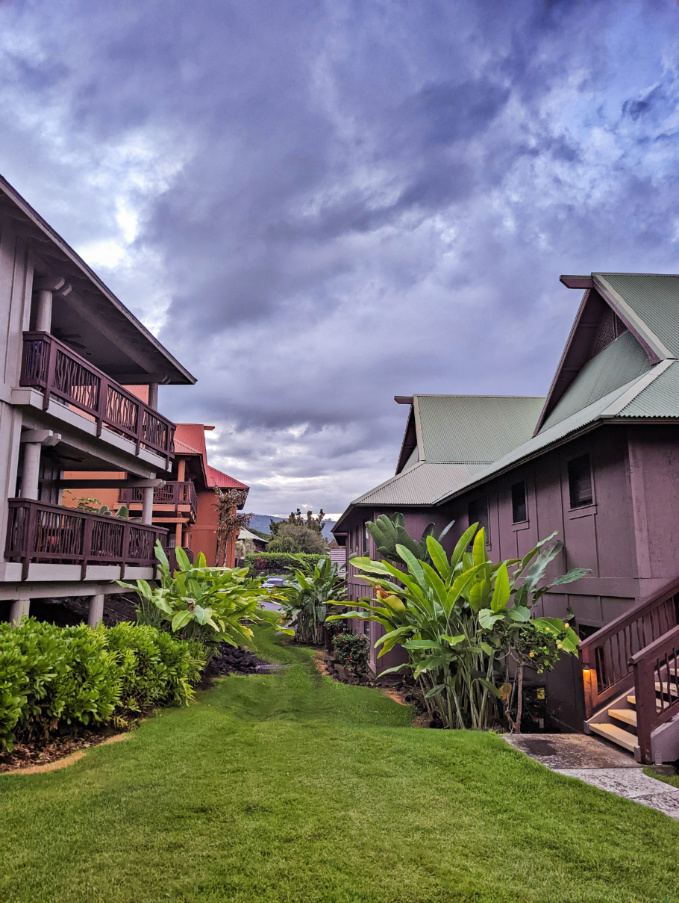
580, 482
519, 509
478, 513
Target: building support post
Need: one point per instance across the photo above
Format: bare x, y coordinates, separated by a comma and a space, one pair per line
30, 477
43, 317
46, 289
147, 505
178, 534
96, 614
19, 610
153, 396
32, 441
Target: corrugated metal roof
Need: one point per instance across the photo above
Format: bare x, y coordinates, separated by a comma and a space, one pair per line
224, 481
659, 399
423, 484
619, 363
474, 428
640, 397
654, 299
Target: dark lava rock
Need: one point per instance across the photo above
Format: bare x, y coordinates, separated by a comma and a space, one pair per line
236, 660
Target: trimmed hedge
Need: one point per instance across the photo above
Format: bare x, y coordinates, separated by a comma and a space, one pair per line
56, 678
261, 564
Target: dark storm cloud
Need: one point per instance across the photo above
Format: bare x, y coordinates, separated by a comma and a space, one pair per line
324, 204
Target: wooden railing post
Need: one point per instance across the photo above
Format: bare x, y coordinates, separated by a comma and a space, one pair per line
86, 548
52, 351
102, 404
29, 541
644, 694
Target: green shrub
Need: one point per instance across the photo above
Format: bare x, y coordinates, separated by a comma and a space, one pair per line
261, 564
155, 670
58, 678
352, 650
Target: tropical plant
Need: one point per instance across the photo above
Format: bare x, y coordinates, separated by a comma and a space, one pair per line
211, 605
390, 532
460, 619
306, 599
352, 651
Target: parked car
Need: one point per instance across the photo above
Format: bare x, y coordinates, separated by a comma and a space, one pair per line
272, 583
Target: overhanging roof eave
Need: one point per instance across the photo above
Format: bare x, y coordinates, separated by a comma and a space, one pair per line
182, 375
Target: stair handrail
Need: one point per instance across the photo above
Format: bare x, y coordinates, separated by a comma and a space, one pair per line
606, 655
654, 666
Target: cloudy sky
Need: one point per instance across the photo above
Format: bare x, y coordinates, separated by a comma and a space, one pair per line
319, 205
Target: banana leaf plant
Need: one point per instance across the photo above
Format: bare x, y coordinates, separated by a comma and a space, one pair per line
306, 599
212, 605
389, 532
459, 619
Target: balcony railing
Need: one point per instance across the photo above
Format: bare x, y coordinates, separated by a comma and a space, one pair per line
178, 495
42, 533
59, 372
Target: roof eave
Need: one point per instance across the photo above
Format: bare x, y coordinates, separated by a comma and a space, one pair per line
185, 377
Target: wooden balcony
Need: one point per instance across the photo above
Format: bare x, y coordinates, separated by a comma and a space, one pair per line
52, 367
42, 533
172, 498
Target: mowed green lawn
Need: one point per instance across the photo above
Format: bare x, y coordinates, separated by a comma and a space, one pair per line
287, 787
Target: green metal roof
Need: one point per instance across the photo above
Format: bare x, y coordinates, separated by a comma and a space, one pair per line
472, 429
651, 301
659, 399
422, 484
654, 395
619, 363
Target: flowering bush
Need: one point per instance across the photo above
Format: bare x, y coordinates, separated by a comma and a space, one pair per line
352, 651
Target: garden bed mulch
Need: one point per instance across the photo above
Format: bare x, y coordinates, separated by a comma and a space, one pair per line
59, 752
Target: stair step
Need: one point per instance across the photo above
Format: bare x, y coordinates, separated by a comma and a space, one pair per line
616, 735
663, 687
628, 716
673, 692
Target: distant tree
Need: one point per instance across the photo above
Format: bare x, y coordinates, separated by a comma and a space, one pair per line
299, 534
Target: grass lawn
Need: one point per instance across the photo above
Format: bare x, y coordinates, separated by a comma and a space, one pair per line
288, 787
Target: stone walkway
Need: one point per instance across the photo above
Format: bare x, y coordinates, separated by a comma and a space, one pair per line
596, 762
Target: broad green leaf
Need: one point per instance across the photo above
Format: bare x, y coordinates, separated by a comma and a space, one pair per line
462, 544
571, 576
501, 591
488, 618
519, 613
479, 547
435, 691
438, 556
489, 686
181, 619
412, 563
454, 640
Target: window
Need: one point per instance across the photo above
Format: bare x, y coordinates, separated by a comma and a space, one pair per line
478, 513
580, 482
519, 510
